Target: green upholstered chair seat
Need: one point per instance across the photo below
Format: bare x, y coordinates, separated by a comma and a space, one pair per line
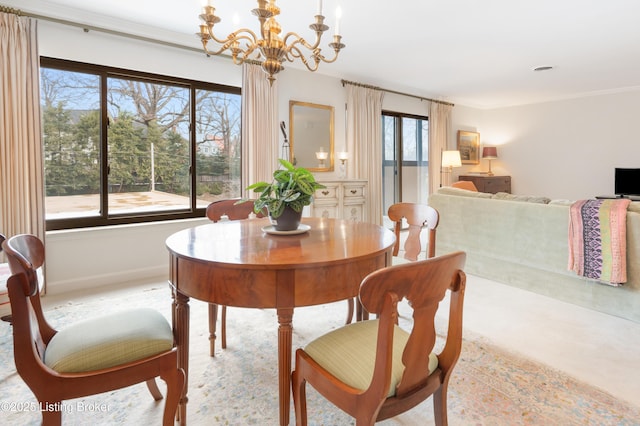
109, 341
349, 353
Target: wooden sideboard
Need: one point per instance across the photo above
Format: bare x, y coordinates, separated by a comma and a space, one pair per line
341, 199
491, 184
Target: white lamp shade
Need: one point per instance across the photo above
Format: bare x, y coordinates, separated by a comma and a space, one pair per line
451, 159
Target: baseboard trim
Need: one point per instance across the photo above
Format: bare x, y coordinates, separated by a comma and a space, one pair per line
116, 279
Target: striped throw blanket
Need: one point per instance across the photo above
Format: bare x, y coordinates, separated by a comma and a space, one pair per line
598, 240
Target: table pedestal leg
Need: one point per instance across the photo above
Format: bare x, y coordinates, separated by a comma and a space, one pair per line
285, 332
181, 333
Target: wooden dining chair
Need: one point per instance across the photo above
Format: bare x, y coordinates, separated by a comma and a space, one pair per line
89, 357
228, 209
417, 216
374, 370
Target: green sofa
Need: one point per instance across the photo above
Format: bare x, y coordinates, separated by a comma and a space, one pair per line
523, 241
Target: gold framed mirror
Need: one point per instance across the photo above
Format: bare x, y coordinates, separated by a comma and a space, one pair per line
311, 136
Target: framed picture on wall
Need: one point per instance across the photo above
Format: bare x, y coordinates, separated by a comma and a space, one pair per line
469, 147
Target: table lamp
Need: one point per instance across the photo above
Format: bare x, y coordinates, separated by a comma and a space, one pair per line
490, 153
450, 159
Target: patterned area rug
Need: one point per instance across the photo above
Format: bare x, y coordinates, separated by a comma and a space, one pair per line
490, 386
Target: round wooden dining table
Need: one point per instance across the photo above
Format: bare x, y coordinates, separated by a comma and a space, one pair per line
237, 263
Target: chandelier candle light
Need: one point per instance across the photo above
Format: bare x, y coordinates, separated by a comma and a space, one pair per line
271, 49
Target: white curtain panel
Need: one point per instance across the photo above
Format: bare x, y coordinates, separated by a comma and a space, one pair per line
439, 131
259, 126
21, 152
364, 142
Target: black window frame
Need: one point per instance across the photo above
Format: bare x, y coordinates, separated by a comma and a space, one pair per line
399, 162
398, 116
105, 72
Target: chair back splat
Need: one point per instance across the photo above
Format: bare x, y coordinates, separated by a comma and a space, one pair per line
417, 217
374, 370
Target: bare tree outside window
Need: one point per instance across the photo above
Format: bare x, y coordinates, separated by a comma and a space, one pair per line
138, 163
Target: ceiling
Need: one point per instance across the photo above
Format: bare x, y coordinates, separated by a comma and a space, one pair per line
479, 53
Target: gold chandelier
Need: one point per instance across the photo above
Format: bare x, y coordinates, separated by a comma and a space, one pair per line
271, 49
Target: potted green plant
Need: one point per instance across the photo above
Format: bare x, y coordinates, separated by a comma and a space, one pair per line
292, 188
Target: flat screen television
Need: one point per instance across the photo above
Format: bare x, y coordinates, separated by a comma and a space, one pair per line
627, 181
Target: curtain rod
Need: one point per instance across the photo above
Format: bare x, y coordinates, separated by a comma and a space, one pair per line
87, 28
10, 10
368, 86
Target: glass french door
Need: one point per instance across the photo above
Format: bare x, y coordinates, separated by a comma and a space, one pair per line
405, 159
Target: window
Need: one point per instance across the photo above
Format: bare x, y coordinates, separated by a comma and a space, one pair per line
405, 159
124, 147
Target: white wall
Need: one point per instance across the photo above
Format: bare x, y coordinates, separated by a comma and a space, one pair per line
81, 259
96, 47
564, 149
304, 86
